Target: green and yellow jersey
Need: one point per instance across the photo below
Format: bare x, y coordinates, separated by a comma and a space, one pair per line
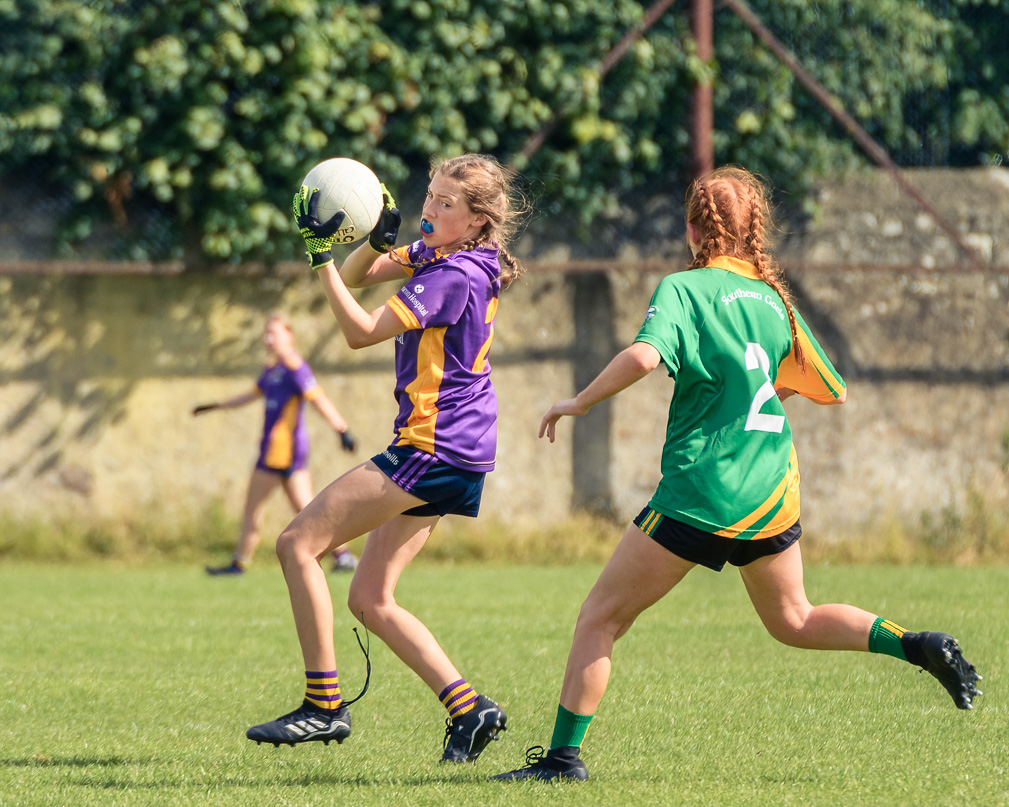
728, 464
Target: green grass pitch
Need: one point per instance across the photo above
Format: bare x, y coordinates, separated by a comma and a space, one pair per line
134, 686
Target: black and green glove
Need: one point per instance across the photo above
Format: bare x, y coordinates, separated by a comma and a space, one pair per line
383, 235
319, 236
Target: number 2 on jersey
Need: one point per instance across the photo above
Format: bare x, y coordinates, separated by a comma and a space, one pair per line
756, 359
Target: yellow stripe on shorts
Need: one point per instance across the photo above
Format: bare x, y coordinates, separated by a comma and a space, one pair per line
650, 522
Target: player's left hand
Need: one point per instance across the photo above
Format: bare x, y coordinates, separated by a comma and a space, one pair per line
383, 235
569, 407
347, 441
319, 236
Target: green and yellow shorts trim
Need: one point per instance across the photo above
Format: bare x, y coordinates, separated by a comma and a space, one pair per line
708, 549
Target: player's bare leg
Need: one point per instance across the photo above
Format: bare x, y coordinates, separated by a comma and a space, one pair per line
372, 599
776, 589
638, 575
299, 490
355, 503
261, 485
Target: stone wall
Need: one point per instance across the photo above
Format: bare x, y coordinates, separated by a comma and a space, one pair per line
98, 373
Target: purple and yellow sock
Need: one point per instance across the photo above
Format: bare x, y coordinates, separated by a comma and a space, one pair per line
459, 698
323, 689
885, 636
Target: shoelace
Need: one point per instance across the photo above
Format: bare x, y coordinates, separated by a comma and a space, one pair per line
535, 755
449, 725
367, 662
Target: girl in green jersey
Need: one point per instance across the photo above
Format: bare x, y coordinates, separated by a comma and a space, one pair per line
736, 347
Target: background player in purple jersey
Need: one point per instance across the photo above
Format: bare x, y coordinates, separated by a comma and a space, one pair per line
286, 383
442, 322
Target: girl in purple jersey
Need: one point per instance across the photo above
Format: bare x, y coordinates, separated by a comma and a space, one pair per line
286, 383
442, 322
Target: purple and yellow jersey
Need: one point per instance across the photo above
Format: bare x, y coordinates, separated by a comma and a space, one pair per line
728, 464
447, 404
284, 446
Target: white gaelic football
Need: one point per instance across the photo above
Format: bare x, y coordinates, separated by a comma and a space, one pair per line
352, 187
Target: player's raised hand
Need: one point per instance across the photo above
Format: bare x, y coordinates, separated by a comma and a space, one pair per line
319, 235
383, 235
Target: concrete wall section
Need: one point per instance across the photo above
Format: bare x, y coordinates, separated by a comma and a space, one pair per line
98, 375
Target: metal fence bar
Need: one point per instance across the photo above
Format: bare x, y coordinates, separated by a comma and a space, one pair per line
660, 266
870, 146
536, 141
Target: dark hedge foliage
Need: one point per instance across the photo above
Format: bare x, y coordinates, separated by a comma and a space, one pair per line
183, 127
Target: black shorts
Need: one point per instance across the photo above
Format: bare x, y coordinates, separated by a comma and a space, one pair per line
447, 490
707, 549
284, 473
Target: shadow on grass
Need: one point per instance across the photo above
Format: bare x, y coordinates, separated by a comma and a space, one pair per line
43, 761
435, 777
361, 780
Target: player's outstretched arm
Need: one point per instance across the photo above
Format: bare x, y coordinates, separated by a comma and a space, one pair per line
626, 368
230, 403
329, 411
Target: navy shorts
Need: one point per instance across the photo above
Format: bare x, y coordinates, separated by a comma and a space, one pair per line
447, 490
285, 473
706, 549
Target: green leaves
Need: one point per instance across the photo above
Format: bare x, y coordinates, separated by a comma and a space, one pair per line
207, 113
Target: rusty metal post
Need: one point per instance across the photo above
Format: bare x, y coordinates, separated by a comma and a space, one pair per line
702, 114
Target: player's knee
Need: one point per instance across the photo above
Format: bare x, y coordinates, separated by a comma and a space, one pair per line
364, 604
787, 626
359, 610
283, 547
602, 617
288, 547
358, 603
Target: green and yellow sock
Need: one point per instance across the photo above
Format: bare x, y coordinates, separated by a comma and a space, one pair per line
322, 688
885, 636
569, 729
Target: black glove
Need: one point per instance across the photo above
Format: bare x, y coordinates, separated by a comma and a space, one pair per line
383, 235
347, 441
319, 236
197, 410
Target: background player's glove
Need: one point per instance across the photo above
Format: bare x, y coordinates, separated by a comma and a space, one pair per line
347, 441
199, 410
383, 235
319, 236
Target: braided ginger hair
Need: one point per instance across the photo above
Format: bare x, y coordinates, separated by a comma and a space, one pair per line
729, 210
